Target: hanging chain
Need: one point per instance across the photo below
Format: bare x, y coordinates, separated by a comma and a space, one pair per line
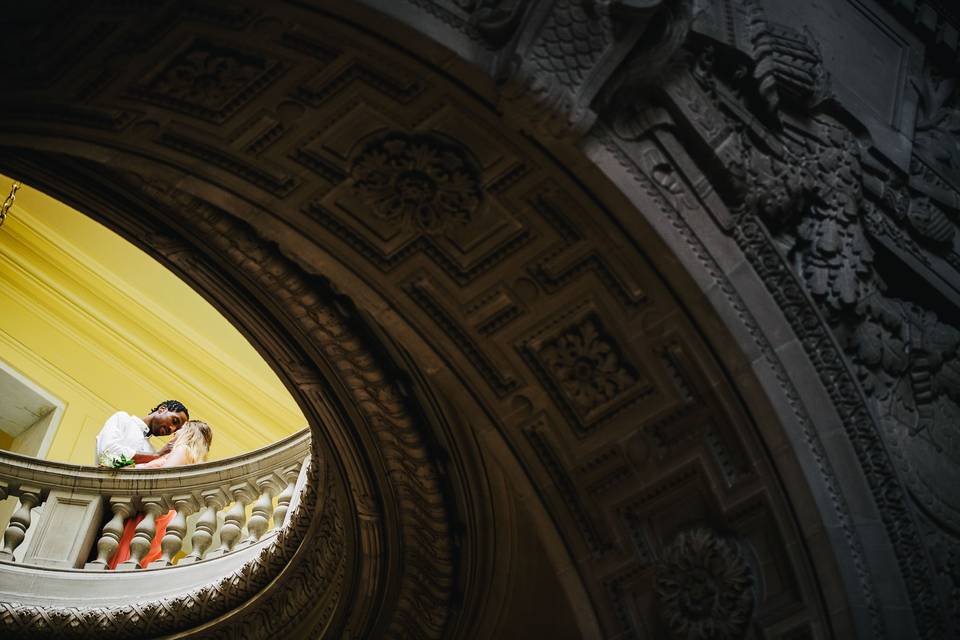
8, 202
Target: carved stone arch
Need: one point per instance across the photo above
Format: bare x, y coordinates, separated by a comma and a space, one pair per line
592, 360
333, 576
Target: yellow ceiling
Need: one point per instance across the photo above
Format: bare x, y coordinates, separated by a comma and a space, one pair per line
103, 327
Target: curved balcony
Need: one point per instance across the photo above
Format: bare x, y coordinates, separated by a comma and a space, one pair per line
234, 521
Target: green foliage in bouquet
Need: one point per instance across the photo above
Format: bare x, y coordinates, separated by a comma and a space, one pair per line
122, 461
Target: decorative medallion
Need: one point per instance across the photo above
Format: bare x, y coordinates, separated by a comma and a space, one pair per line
704, 587
208, 80
586, 366
418, 180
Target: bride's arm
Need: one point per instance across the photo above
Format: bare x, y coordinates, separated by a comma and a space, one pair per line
156, 463
177, 457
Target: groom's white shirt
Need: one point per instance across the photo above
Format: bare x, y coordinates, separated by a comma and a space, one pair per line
122, 435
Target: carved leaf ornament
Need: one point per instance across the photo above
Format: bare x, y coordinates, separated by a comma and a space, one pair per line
206, 78
586, 366
418, 180
704, 587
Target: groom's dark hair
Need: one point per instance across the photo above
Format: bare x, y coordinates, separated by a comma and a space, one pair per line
173, 405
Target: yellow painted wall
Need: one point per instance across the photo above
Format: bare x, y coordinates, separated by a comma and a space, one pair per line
103, 327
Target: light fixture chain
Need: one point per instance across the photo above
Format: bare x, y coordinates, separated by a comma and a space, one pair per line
9, 202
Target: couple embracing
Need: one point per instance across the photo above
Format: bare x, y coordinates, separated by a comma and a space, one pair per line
123, 441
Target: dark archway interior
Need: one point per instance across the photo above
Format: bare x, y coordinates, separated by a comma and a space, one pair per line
557, 393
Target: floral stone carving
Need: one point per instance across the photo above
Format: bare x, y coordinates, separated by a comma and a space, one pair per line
418, 180
587, 366
209, 80
704, 587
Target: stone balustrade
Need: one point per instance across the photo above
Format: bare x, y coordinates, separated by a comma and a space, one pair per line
84, 508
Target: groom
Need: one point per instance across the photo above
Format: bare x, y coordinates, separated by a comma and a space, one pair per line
123, 439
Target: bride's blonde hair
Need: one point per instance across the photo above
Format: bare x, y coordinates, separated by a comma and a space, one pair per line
195, 437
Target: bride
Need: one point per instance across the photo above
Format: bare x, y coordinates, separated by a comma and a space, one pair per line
190, 445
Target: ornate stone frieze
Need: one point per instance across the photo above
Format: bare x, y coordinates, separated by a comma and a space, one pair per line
812, 183
785, 63
425, 293
276, 182
428, 554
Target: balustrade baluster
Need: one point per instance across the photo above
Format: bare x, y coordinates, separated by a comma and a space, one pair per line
143, 536
233, 520
122, 508
289, 475
262, 509
177, 528
214, 500
19, 522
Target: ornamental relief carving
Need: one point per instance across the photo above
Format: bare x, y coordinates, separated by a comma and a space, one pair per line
568, 49
937, 133
423, 514
418, 181
585, 369
829, 208
394, 192
587, 366
704, 587
208, 80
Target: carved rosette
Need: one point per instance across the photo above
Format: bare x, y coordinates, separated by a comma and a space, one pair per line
704, 587
587, 366
208, 80
418, 180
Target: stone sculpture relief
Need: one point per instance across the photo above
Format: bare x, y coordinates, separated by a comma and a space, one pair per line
417, 181
809, 178
704, 587
937, 133
587, 367
209, 80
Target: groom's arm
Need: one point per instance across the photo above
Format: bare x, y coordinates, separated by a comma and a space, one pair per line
140, 458
110, 446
